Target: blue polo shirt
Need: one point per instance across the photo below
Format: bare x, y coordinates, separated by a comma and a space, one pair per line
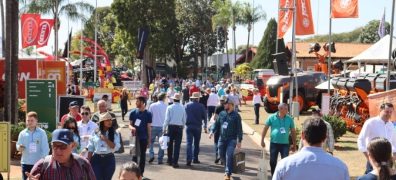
277, 124
139, 120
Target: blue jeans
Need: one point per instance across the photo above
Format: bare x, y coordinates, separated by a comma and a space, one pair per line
369, 168
226, 150
175, 134
275, 149
211, 111
193, 134
156, 132
26, 168
103, 166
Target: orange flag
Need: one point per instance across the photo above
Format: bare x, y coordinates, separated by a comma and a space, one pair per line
285, 17
344, 9
304, 24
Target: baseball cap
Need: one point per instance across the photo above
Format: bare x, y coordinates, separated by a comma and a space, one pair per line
64, 136
74, 104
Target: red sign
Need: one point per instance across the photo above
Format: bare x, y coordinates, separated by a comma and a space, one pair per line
285, 17
304, 24
30, 29
27, 69
44, 32
344, 9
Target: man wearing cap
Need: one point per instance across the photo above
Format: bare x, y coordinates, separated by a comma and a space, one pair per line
281, 126
32, 143
216, 132
229, 124
140, 126
213, 101
73, 112
195, 114
175, 119
62, 164
158, 111
101, 147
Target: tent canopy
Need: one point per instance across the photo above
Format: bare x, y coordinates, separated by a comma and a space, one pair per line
378, 53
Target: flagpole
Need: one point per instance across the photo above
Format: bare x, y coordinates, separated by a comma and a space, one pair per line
329, 59
81, 54
293, 56
390, 47
96, 41
277, 29
67, 56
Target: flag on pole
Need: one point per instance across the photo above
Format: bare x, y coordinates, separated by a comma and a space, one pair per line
344, 9
381, 27
30, 29
285, 17
304, 22
45, 28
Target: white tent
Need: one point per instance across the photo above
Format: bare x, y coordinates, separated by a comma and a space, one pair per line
376, 54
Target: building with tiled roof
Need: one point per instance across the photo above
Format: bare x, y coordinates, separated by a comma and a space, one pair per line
344, 51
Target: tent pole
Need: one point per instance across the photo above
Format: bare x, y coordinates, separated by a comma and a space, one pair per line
390, 47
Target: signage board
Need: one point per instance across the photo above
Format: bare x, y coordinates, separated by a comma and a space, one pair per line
41, 98
5, 140
132, 85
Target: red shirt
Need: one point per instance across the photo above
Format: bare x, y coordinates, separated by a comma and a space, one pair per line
193, 89
78, 118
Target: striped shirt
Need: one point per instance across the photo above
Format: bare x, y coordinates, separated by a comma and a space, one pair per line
80, 169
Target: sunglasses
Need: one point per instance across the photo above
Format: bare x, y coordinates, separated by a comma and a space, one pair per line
85, 113
59, 146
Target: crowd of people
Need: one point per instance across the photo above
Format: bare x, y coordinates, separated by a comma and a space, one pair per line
84, 144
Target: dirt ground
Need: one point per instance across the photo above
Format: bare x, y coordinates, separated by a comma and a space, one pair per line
345, 147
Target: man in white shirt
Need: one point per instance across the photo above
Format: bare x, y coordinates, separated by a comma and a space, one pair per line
213, 101
158, 110
257, 103
171, 91
379, 126
85, 129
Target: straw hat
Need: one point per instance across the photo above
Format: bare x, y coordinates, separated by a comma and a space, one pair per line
176, 96
195, 95
105, 116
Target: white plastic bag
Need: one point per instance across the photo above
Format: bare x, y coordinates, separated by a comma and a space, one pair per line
163, 141
132, 145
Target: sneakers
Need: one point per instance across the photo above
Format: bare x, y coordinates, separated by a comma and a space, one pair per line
196, 161
227, 177
175, 165
151, 160
188, 163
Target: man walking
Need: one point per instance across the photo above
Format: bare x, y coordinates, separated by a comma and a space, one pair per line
158, 111
32, 143
281, 125
175, 119
379, 126
196, 113
230, 126
312, 162
62, 164
73, 112
216, 132
140, 127
213, 101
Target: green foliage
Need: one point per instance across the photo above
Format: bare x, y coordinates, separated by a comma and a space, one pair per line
369, 32
345, 37
267, 47
16, 129
338, 125
251, 15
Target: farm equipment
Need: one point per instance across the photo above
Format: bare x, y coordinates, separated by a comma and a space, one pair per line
350, 97
277, 90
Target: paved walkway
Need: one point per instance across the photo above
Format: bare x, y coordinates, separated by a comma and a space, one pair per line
206, 170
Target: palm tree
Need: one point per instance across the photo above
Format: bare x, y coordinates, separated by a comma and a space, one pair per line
249, 17
57, 8
236, 10
222, 18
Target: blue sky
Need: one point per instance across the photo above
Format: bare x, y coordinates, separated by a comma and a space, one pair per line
368, 10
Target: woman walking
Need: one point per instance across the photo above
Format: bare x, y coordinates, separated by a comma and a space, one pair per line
101, 146
124, 102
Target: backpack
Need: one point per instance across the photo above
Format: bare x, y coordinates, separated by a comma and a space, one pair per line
80, 160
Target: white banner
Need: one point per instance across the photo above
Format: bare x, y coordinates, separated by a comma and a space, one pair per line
132, 85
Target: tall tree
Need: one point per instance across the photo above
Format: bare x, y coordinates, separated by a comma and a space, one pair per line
236, 11
157, 16
267, 46
369, 32
222, 20
2, 27
251, 15
56, 8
